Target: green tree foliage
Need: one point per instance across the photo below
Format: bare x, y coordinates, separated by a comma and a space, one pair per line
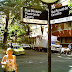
19, 31
70, 6
14, 6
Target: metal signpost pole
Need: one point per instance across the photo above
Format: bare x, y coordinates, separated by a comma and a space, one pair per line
49, 30
49, 2
49, 39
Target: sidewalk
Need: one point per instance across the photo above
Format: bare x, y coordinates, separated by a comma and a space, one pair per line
1, 53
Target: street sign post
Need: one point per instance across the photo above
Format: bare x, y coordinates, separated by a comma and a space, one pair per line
32, 16
49, 2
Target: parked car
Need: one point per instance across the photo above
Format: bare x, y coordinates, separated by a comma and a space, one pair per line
25, 46
55, 47
18, 50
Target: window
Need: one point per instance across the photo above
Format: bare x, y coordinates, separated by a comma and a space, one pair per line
69, 39
59, 26
70, 24
61, 40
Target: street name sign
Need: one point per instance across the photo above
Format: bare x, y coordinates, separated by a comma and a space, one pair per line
60, 15
33, 16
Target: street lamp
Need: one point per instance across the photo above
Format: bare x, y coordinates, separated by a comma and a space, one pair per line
49, 2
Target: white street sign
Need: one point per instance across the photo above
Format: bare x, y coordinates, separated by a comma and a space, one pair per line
60, 20
35, 21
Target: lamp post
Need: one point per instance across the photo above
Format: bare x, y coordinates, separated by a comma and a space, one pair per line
49, 2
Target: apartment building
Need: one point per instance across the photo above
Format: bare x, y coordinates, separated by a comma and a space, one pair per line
64, 33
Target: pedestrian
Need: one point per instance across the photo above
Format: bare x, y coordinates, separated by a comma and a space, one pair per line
60, 49
11, 45
9, 61
69, 46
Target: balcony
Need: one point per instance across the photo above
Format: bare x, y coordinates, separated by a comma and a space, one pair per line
63, 33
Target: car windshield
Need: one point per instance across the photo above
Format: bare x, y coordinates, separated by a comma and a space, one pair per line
17, 47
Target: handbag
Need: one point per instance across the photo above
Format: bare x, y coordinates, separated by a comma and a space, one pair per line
3, 66
4, 63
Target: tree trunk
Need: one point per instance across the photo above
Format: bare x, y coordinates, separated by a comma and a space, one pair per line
5, 31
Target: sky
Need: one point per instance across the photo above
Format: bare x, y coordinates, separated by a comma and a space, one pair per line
64, 2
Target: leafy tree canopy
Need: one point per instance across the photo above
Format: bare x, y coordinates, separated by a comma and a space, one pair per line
70, 5
14, 6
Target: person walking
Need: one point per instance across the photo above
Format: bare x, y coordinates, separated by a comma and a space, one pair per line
9, 61
11, 45
60, 49
69, 46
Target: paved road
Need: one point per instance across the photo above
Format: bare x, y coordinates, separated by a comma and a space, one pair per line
34, 61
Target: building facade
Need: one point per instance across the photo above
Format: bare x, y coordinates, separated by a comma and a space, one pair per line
63, 30
64, 33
